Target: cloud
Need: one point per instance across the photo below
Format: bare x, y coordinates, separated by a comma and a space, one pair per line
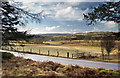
86, 11
38, 30
72, 3
32, 7
27, 1
51, 28
31, 29
67, 11
58, 11
95, 29
68, 25
69, 14
75, 31
110, 25
104, 26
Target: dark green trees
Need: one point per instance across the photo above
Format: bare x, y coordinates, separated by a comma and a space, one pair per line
11, 16
108, 43
109, 11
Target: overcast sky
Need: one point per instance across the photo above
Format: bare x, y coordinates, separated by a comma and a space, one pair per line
63, 17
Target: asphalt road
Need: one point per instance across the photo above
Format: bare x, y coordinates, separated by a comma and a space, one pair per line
85, 63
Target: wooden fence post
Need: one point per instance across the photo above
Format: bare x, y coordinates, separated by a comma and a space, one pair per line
17, 49
57, 53
39, 51
96, 54
30, 50
48, 53
89, 55
67, 54
72, 55
11, 48
23, 49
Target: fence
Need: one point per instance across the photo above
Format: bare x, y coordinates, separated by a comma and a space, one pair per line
49, 51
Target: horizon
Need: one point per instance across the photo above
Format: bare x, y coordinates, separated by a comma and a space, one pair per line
72, 33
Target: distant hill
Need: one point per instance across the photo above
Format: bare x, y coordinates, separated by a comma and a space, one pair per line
53, 34
67, 36
95, 33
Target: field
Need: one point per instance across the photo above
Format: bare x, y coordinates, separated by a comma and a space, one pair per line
55, 48
69, 49
43, 49
61, 49
79, 42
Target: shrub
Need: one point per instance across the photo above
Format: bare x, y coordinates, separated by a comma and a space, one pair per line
59, 70
83, 73
109, 73
6, 56
116, 73
51, 74
69, 68
103, 72
47, 43
62, 43
101, 69
50, 65
113, 73
117, 70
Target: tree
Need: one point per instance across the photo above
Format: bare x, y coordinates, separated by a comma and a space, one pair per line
12, 16
109, 11
108, 42
102, 49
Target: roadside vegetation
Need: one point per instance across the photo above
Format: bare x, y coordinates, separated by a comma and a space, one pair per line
20, 67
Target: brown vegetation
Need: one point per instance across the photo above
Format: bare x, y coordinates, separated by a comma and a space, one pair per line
18, 66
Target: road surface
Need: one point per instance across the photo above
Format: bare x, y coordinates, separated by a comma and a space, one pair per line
85, 63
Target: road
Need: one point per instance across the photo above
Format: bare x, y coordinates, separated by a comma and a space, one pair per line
66, 61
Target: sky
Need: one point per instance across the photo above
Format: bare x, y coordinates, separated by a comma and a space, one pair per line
63, 17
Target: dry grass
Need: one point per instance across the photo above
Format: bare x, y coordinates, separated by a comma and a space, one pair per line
68, 48
72, 46
18, 66
63, 49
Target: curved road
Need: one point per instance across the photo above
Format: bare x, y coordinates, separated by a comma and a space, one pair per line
85, 63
